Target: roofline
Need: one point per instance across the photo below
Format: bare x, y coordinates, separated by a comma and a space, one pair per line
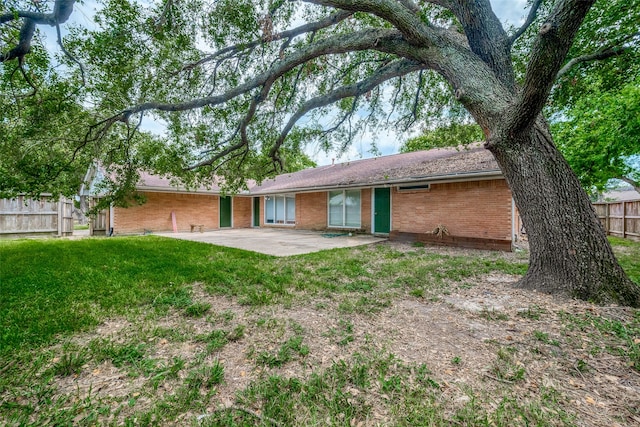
439, 179
181, 190
153, 189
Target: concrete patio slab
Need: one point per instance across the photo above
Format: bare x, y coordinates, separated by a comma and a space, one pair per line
276, 241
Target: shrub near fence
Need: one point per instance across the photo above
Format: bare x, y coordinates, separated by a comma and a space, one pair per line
621, 219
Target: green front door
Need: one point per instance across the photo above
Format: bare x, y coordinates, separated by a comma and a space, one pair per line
225, 211
256, 211
381, 210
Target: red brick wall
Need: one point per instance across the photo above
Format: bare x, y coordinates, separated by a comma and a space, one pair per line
242, 212
365, 209
311, 211
155, 214
473, 209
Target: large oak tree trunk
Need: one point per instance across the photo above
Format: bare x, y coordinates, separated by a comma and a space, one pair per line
569, 251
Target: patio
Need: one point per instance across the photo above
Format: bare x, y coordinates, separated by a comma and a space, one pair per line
278, 242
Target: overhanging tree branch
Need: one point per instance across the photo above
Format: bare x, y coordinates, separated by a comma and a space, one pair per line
357, 41
548, 54
62, 10
331, 20
533, 12
486, 37
414, 30
604, 53
635, 184
395, 69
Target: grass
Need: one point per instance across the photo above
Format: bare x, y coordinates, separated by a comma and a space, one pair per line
53, 287
628, 254
54, 290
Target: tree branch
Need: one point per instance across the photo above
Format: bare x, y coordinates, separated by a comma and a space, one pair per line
362, 40
330, 20
635, 184
24, 42
406, 21
487, 38
533, 12
62, 10
68, 55
604, 53
395, 69
548, 54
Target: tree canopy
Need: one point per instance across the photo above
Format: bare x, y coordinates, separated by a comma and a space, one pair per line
242, 86
256, 79
600, 136
453, 135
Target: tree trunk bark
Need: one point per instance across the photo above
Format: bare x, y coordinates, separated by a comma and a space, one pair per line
569, 251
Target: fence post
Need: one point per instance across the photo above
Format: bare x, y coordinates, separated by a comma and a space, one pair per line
607, 219
60, 217
624, 220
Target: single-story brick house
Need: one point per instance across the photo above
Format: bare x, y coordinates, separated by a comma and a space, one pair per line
406, 196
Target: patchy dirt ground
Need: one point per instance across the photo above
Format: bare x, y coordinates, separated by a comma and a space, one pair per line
550, 343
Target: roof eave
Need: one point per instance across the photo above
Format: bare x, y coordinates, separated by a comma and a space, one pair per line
440, 179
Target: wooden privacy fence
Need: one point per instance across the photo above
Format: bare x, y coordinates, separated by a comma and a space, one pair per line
21, 217
620, 219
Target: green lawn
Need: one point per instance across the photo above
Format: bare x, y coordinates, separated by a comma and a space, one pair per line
52, 287
54, 291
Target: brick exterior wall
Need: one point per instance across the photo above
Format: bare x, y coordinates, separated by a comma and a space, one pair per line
473, 209
241, 210
311, 211
365, 209
155, 214
479, 209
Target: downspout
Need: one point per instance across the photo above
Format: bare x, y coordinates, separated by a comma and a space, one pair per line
111, 219
514, 235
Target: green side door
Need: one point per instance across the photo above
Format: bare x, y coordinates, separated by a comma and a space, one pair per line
225, 211
381, 210
256, 211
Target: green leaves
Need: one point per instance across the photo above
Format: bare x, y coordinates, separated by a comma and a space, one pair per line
453, 135
600, 135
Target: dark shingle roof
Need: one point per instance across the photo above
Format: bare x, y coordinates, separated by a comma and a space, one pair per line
430, 165
398, 168
159, 183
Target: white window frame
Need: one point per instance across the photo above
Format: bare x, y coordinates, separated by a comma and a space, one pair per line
344, 209
287, 222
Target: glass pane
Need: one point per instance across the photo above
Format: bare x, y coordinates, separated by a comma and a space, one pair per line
352, 208
268, 210
335, 208
279, 210
291, 210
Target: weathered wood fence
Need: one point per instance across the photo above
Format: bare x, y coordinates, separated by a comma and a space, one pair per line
620, 219
22, 217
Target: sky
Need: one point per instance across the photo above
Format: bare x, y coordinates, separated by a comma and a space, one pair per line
509, 11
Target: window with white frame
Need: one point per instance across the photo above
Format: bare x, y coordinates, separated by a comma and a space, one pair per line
280, 210
344, 208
